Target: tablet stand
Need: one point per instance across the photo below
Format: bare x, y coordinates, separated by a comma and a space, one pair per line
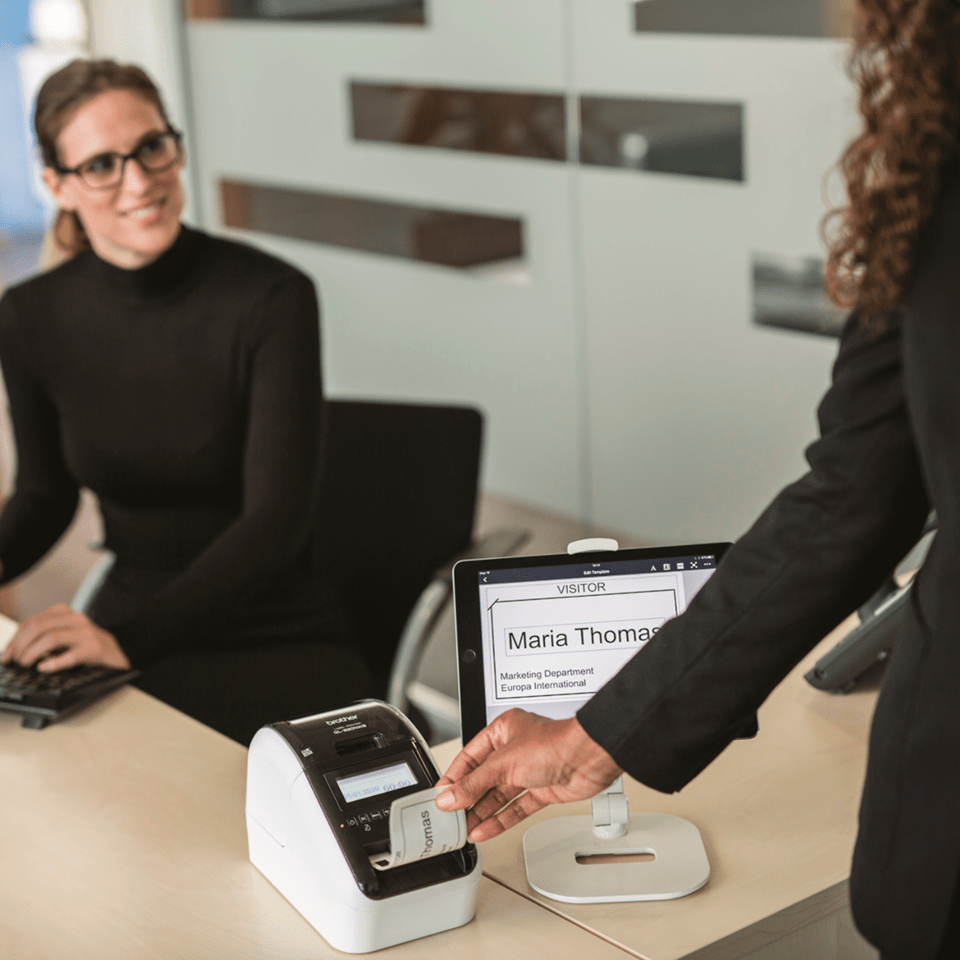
598, 859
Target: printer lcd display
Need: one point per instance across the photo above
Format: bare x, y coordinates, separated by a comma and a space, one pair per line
374, 783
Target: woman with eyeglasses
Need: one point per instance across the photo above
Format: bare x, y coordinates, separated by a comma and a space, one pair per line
889, 450
177, 376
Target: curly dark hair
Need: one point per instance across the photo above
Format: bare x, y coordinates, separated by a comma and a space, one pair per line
906, 63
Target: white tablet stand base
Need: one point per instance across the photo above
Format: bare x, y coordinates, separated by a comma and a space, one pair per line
613, 857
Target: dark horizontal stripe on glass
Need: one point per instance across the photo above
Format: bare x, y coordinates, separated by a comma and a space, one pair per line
789, 292
446, 237
663, 136
480, 121
351, 11
767, 18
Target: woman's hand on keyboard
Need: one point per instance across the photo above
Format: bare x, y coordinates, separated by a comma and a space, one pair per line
59, 638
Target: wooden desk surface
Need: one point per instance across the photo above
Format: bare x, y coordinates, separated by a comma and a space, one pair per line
778, 819
122, 836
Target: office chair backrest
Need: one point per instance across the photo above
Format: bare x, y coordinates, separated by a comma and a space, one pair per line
399, 489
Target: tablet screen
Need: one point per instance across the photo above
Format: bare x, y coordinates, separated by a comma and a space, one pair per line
545, 633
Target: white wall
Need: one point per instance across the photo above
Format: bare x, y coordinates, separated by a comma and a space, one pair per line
696, 416
625, 382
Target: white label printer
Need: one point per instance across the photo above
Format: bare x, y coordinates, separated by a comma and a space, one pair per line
324, 802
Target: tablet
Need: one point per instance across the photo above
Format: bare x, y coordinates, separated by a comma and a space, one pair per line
546, 632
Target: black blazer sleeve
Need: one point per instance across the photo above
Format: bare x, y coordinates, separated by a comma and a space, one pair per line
812, 557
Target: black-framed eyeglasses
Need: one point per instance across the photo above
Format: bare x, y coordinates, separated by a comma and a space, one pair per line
156, 154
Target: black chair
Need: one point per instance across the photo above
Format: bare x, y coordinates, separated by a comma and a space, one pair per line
397, 505
397, 509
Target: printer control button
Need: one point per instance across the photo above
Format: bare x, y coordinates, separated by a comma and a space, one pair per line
351, 821
376, 814
363, 817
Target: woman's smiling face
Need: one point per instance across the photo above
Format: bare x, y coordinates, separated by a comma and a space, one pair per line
133, 223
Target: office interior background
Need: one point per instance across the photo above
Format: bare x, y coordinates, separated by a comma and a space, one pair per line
596, 220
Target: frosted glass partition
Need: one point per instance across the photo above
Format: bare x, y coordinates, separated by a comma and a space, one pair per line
566, 222
330, 11
451, 238
789, 292
509, 123
668, 136
771, 18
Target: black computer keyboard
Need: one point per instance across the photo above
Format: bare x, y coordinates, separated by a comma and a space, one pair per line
44, 697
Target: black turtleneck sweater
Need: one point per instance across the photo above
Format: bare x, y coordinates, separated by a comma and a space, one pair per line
186, 395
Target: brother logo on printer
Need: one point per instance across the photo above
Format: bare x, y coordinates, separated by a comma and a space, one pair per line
333, 723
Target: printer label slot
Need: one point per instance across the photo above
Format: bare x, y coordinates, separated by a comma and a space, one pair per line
374, 741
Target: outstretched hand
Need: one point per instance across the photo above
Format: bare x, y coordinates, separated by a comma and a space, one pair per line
58, 638
519, 764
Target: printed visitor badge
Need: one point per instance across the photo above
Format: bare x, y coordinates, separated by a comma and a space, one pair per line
418, 830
